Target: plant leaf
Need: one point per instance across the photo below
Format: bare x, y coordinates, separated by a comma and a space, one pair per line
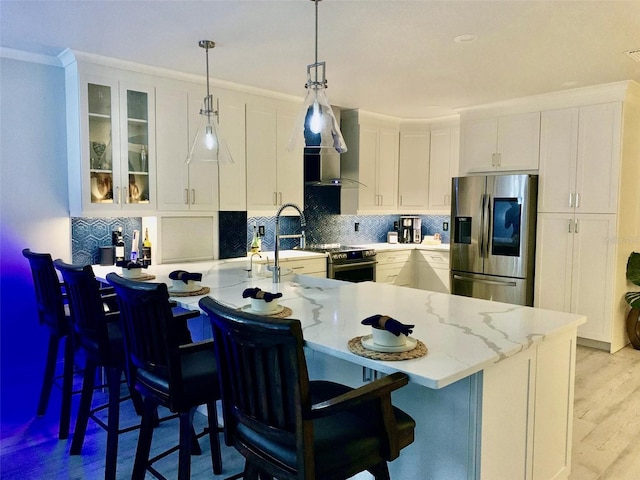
633, 299
633, 268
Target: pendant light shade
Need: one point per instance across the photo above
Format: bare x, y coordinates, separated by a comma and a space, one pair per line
208, 144
316, 121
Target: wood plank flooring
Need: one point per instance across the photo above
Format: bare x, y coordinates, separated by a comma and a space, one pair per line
606, 438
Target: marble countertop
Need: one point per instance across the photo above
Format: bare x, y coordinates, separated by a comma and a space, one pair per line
463, 335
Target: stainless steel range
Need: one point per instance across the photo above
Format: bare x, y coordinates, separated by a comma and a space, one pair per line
351, 264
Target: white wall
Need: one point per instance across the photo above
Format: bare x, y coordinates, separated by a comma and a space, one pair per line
33, 210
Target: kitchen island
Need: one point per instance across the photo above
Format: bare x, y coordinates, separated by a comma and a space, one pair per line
493, 397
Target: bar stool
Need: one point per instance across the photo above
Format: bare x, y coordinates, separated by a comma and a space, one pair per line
53, 313
167, 372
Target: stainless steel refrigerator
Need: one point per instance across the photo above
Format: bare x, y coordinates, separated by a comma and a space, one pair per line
493, 236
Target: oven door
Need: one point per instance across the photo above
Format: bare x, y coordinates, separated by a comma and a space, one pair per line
353, 272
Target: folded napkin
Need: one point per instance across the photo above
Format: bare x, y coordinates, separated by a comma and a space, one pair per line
257, 293
185, 276
129, 265
385, 322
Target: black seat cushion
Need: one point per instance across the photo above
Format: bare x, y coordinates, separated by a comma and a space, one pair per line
340, 439
199, 374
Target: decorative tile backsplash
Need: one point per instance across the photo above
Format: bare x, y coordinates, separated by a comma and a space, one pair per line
89, 234
321, 209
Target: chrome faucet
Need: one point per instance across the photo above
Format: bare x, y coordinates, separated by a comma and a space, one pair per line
250, 271
303, 223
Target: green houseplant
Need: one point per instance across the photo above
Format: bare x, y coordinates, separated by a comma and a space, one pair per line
633, 299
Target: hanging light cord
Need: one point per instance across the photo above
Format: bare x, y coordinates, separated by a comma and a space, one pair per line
316, 2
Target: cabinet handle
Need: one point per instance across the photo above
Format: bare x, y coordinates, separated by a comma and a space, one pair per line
279, 198
125, 195
577, 225
186, 196
577, 200
117, 197
499, 157
193, 196
571, 200
570, 224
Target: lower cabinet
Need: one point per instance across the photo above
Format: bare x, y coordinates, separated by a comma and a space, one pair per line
574, 269
395, 268
431, 269
314, 267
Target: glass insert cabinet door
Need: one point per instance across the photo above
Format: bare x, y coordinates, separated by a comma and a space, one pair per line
100, 143
119, 141
137, 147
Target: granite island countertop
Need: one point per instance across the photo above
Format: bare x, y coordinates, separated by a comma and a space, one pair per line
463, 335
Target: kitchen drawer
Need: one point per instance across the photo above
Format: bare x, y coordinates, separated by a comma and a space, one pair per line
316, 267
436, 259
393, 257
400, 275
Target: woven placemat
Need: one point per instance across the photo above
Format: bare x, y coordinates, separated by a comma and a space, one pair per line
195, 293
285, 312
355, 345
146, 276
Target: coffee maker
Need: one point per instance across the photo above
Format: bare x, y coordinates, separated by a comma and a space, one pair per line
410, 230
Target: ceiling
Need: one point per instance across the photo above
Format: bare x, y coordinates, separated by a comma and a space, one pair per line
396, 57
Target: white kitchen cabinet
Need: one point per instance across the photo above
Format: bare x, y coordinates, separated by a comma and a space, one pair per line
579, 159
506, 143
232, 177
413, 169
431, 270
372, 160
314, 267
395, 267
182, 186
443, 166
110, 140
575, 260
274, 175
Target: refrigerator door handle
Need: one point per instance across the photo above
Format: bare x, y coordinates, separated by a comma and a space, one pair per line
481, 230
486, 282
485, 225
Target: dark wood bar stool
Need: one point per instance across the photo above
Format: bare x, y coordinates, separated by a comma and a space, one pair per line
168, 372
98, 339
287, 427
53, 314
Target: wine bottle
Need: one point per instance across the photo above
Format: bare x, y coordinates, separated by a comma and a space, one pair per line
146, 249
119, 246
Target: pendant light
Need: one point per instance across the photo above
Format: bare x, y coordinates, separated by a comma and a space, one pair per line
208, 144
316, 121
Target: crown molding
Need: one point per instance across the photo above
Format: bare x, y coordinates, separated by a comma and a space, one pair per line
30, 57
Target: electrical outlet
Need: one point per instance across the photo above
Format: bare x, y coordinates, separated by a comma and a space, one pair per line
445, 226
261, 230
357, 226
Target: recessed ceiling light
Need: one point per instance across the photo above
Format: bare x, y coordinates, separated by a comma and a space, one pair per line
466, 38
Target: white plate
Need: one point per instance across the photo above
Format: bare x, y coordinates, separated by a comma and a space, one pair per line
186, 289
367, 342
248, 309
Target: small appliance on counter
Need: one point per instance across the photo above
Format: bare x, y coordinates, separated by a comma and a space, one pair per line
392, 237
410, 230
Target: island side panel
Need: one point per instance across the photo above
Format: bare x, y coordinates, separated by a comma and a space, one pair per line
527, 412
446, 445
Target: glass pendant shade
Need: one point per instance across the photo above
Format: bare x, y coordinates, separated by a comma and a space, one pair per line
317, 124
208, 144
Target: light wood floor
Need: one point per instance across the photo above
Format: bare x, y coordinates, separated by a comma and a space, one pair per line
606, 440
606, 424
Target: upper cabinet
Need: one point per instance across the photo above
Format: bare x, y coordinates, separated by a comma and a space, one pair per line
274, 175
110, 141
233, 177
372, 160
443, 165
580, 159
507, 143
413, 168
182, 186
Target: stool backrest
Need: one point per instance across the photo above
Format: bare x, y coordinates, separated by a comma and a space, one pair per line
48, 290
